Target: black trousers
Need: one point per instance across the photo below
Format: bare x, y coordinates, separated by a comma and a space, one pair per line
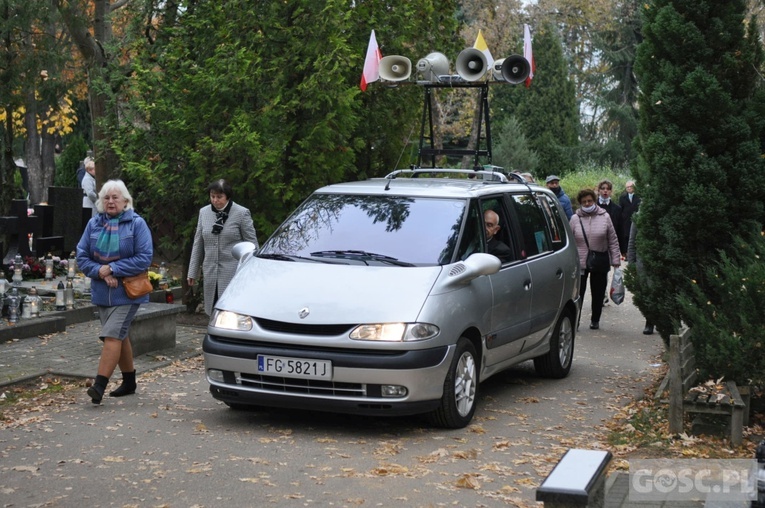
598, 284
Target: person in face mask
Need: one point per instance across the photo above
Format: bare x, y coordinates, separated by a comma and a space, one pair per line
593, 222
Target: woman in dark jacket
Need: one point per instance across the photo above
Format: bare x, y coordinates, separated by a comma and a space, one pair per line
594, 222
116, 244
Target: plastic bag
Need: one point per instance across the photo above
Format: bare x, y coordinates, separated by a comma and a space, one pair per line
617, 286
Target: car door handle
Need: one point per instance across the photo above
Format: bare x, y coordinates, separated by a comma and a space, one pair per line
527, 284
559, 273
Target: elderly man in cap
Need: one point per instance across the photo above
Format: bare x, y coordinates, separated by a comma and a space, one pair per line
553, 183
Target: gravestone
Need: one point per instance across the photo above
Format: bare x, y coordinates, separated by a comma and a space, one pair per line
17, 226
67, 219
44, 239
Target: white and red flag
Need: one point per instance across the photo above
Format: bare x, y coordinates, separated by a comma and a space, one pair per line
528, 54
371, 63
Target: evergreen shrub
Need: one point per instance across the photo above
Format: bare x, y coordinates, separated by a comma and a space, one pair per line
727, 315
67, 164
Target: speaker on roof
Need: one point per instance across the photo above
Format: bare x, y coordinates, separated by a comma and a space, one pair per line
434, 65
471, 64
513, 69
395, 68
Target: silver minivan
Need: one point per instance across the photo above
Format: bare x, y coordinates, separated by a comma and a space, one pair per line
387, 297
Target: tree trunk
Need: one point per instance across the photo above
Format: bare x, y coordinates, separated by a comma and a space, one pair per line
92, 50
32, 151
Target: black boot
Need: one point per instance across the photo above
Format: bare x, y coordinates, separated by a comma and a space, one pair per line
127, 387
96, 392
648, 330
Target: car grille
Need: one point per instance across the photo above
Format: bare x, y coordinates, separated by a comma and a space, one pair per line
301, 329
305, 386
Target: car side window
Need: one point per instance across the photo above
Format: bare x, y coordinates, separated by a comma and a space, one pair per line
552, 212
501, 244
535, 238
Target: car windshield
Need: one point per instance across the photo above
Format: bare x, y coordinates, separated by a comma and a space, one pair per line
371, 230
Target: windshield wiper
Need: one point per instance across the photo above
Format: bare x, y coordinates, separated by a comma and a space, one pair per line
288, 257
361, 255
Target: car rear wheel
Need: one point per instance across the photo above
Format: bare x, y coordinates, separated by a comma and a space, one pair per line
460, 389
556, 363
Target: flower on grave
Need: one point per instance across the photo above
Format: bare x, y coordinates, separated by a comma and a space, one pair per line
154, 278
34, 268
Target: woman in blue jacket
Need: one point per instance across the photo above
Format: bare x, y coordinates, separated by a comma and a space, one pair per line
116, 244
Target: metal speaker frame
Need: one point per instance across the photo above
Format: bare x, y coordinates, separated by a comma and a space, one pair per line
395, 68
514, 69
432, 66
471, 64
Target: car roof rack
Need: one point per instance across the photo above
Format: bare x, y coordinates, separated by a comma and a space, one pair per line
485, 175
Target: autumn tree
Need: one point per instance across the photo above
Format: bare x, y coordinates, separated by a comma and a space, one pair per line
90, 25
699, 148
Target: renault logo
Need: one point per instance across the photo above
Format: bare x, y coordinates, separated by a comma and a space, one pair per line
303, 313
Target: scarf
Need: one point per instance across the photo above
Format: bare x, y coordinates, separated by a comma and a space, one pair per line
108, 243
220, 217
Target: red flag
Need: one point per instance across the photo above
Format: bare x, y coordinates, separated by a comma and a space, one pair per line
528, 54
371, 63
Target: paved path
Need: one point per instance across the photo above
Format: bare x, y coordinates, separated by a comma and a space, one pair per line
612, 366
76, 351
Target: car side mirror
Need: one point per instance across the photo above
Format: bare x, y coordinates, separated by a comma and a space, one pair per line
242, 250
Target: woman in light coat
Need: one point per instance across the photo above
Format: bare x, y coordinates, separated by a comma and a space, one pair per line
594, 221
221, 225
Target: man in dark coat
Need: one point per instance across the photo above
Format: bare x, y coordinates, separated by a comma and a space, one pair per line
629, 202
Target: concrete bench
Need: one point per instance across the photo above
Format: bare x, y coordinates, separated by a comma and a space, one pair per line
579, 479
153, 327
683, 398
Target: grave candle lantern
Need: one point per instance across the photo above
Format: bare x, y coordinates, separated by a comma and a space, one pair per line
69, 295
49, 267
60, 304
33, 302
17, 265
3, 283
71, 269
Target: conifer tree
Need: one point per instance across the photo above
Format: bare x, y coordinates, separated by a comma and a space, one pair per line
699, 153
547, 109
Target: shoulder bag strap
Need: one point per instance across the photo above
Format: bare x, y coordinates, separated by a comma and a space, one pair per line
584, 234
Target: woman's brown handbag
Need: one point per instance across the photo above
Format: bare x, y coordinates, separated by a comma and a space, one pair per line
137, 286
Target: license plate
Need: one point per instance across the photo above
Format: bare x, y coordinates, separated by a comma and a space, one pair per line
302, 368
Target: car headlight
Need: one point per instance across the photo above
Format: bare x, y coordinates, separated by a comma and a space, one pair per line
395, 332
231, 321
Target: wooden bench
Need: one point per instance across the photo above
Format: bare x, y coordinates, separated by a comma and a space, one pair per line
153, 327
684, 398
579, 479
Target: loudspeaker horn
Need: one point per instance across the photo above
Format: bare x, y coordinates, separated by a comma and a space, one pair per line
395, 68
434, 65
513, 69
471, 64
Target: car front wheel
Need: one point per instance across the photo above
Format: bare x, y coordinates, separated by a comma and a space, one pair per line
460, 389
556, 363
